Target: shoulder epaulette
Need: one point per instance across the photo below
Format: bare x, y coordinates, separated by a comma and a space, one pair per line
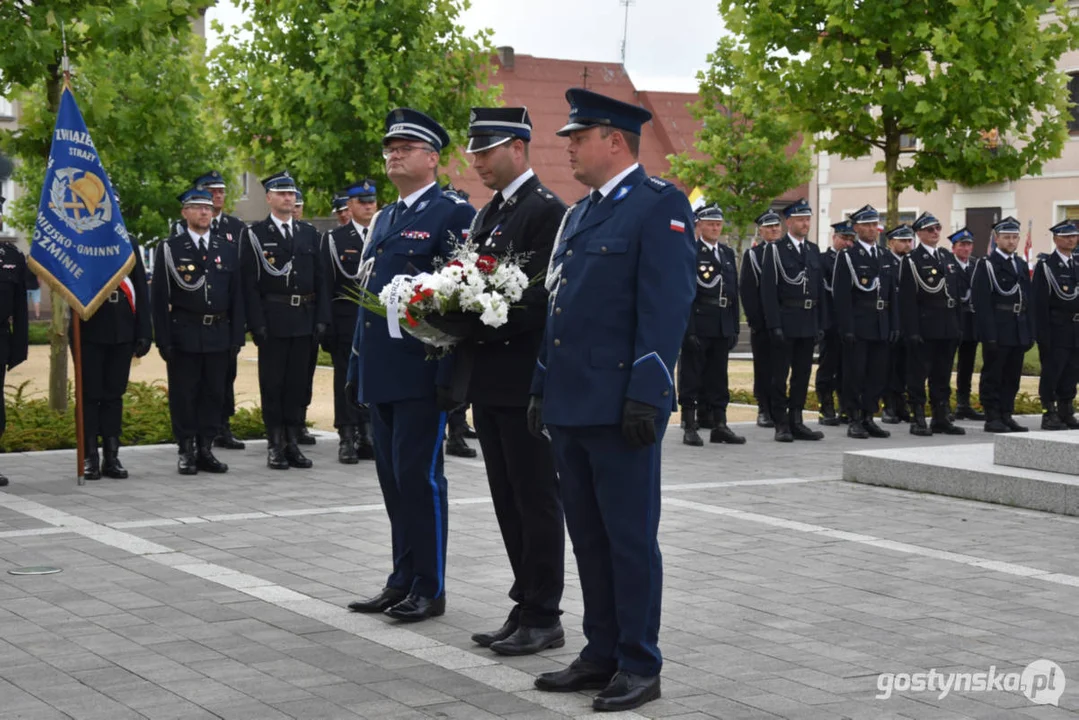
545, 193
658, 184
454, 198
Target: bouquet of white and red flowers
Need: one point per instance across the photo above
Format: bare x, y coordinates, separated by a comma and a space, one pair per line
440, 307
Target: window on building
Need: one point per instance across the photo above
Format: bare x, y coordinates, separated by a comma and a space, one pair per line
1067, 212
7, 111
908, 142
1073, 95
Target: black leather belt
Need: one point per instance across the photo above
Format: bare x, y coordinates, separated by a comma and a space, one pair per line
293, 300
203, 319
1065, 316
941, 305
803, 304
713, 300
878, 304
1015, 308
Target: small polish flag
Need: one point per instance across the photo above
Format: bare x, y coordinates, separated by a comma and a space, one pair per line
128, 289
678, 225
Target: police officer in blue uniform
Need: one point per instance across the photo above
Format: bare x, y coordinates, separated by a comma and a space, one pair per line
865, 292
791, 291
198, 323
287, 304
703, 384
829, 366
962, 244
770, 229
342, 260
622, 283
409, 395
14, 323
929, 315
1056, 304
1005, 321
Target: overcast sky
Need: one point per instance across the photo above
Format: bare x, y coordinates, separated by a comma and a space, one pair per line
667, 42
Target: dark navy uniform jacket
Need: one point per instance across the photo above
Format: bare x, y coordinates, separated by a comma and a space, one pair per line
1056, 301
966, 300
715, 308
749, 285
1004, 319
865, 293
386, 369
14, 323
342, 255
288, 304
794, 307
929, 294
114, 323
619, 308
827, 271
204, 319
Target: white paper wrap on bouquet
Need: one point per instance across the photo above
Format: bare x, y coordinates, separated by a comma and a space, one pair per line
393, 321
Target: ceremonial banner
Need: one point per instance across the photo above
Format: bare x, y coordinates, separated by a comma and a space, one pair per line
80, 246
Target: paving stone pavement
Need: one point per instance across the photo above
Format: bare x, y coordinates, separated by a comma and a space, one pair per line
787, 593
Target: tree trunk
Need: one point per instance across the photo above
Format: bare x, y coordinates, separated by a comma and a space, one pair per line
58, 328
891, 166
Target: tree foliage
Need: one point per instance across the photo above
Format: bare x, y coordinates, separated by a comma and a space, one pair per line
748, 139
860, 75
307, 85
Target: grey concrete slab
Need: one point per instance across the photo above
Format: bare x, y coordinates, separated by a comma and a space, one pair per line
1056, 451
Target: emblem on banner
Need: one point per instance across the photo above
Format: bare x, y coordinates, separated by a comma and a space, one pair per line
78, 199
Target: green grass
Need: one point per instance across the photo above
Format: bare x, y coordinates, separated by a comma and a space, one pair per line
39, 333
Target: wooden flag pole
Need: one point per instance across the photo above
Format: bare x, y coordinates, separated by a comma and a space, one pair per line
80, 441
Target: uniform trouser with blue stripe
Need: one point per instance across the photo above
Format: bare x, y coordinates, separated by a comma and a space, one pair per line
408, 439
610, 492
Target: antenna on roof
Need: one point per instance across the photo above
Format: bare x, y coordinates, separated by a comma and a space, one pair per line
584, 77
625, 26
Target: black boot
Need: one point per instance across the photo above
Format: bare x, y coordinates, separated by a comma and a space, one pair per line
275, 449
917, 423
1051, 419
227, 440
304, 436
365, 447
186, 461
964, 411
456, 445
1066, 411
91, 462
764, 417
206, 460
900, 405
994, 423
827, 415
112, 467
346, 446
941, 424
888, 415
293, 456
690, 436
799, 429
706, 419
723, 434
856, 428
874, 430
1008, 420
782, 426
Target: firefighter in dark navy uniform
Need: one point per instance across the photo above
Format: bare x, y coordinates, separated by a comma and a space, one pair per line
198, 323
287, 304
1056, 304
895, 408
962, 244
830, 367
770, 229
14, 323
703, 384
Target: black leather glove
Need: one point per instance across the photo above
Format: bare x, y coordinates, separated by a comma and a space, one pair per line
444, 399
915, 340
258, 335
639, 423
142, 346
693, 342
164, 352
849, 338
459, 324
893, 337
535, 415
777, 335
731, 342
352, 395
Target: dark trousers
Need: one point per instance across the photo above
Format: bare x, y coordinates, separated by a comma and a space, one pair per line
702, 375
1060, 371
1002, 366
865, 369
829, 365
313, 363
408, 459
932, 361
964, 370
105, 370
793, 357
761, 346
196, 393
457, 420
284, 366
528, 505
344, 412
610, 492
228, 406
895, 382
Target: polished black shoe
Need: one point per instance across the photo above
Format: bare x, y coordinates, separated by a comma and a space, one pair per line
530, 640
690, 436
800, 431
110, 466
187, 462
469, 433
293, 455
888, 416
275, 450
996, 425
346, 446
206, 461
943, 426
1012, 424
456, 446
1052, 421
874, 430
580, 675
783, 434
387, 598
227, 440
966, 412
856, 427
722, 433
304, 436
764, 419
91, 465
485, 639
416, 607
626, 692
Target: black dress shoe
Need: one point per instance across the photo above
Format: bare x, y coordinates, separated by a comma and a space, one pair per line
417, 607
485, 639
626, 692
531, 640
385, 599
456, 446
874, 430
580, 675
1013, 425
227, 440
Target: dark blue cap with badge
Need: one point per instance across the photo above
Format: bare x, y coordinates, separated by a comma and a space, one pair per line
961, 235
798, 208
491, 127
209, 181
925, 221
1007, 225
409, 124
903, 232
195, 196
843, 228
299, 197
865, 214
709, 212
589, 109
1067, 227
281, 182
363, 190
339, 203
766, 218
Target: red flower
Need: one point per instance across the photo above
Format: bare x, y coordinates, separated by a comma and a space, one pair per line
486, 264
455, 263
412, 322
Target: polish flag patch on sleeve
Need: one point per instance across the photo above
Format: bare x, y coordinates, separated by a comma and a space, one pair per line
678, 225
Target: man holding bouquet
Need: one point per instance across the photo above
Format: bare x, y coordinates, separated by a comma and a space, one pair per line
408, 394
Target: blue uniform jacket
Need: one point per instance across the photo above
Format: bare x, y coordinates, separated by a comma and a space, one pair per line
619, 310
383, 368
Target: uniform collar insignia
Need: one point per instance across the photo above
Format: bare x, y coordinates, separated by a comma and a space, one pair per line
622, 192
421, 206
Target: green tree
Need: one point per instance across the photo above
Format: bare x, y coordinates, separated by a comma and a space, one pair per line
861, 75
307, 85
748, 139
31, 72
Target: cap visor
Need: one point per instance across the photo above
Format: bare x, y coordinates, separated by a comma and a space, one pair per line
567, 129
486, 142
